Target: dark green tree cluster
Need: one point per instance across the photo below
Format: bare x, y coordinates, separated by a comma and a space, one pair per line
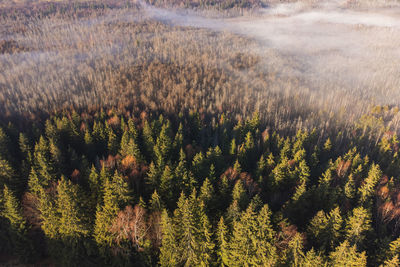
107, 188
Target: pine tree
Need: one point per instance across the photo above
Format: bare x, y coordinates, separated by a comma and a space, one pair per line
113, 143
367, 190
252, 239
325, 229
358, 225
223, 243
16, 238
205, 243
393, 262
100, 137
49, 215
350, 188
133, 132
155, 202
5, 146
8, 176
56, 157
129, 147
153, 177
116, 196
43, 162
25, 148
239, 195
167, 186
347, 256
233, 148
187, 229
200, 167
124, 143
313, 259
328, 145
12, 212
207, 194
163, 146
295, 251
168, 249
184, 180
304, 171
148, 140
178, 140
246, 152
89, 143
72, 224
96, 187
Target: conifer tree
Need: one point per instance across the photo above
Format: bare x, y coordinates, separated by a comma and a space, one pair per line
252, 239
148, 140
153, 177
116, 196
186, 231
200, 167
233, 148
12, 212
95, 186
207, 194
178, 140
5, 142
393, 262
43, 162
239, 195
367, 190
205, 243
16, 239
112, 143
349, 188
223, 243
163, 146
295, 251
49, 215
8, 176
184, 180
167, 182
168, 249
133, 132
26, 153
155, 202
313, 259
347, 256
325, 229
358, 225
89, 143
72, 224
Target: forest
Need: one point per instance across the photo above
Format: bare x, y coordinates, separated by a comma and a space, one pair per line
194, 133
121, 188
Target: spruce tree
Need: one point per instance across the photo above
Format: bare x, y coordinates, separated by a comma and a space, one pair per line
73, 224
367, 190
223, 243
116, 197
168, 249
358, 226
16, 239
347, 256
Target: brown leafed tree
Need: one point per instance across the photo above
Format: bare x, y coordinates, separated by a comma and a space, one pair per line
131, 225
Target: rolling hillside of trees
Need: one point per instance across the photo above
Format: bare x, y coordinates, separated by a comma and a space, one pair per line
145, 189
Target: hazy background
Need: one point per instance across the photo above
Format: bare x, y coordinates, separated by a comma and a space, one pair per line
301, 63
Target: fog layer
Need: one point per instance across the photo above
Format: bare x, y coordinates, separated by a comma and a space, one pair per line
331, 48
